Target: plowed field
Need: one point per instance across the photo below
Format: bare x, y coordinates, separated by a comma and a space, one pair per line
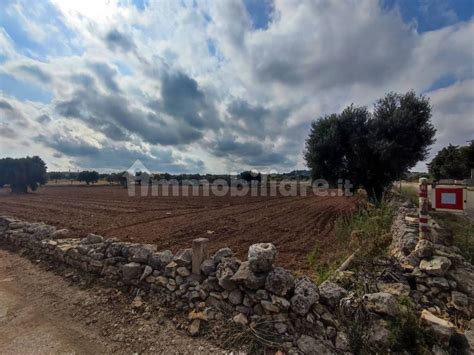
293, 224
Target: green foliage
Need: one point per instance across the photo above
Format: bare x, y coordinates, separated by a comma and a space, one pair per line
406, 333
409, 193
462, 229
22, 173
368, 228
88, 176
371, 149
453, 162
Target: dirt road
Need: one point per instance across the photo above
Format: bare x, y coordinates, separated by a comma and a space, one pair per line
42, 313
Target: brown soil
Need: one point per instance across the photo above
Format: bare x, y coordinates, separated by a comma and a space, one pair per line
43, 313
293, 224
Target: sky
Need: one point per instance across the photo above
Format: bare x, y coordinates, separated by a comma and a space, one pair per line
219, 86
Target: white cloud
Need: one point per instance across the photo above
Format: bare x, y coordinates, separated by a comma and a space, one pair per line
314, 58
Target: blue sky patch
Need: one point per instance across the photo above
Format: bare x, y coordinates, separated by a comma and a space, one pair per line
23, 90
260, 12
432, 14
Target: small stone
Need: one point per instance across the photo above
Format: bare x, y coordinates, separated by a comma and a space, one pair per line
305, 295
261, 257
382, 303
437, 266
60, 234
279, 281
183, 257
162, 280
459, 300
194, 327
331, 332
280, 302
183, 271
235, 297
170, 269
222, 254
396, 289
424, 249
269, 306
131, 271
248, 278
208, 267
159, 260
342, 342
438, 282
241, 319
439, 328
330, 293
146, 272
309, 345
92, 239
224, 275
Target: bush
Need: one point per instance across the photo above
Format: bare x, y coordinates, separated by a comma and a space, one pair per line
22, 173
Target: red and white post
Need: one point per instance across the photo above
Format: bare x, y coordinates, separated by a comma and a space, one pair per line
423, 209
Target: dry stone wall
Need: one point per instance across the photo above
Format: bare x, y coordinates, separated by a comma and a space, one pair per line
247, 292
304, 317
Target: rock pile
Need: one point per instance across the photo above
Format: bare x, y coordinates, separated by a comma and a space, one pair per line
441, 280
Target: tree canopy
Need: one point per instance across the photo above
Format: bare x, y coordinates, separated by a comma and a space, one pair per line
371, 149
453, 162
88, 176
22, 173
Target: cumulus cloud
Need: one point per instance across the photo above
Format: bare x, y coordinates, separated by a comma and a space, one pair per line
215, 86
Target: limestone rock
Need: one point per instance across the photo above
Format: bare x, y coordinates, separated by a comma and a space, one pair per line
92, 239
305, 295
146, 272
170, 269
396, 289
330, 293
131, 271
194, 327
224, 275
60, 234
235, 297
261, 257
208, 267
382, 303
159, 260
241, 319
311, 346
183, 271
459, 300
221, 254
437, 266
279, 281
140, 252
248, 278
439, 328
342, 342
424, 249
464, 278
183, 257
